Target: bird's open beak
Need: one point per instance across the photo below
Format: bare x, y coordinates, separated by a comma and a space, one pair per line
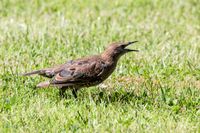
130, 50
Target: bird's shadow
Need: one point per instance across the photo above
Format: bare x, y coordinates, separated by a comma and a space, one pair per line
118, 96
112, 97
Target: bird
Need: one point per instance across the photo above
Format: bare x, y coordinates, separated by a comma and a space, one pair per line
83, 72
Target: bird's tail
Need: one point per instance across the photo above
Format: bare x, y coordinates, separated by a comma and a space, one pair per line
43, 84
32, 73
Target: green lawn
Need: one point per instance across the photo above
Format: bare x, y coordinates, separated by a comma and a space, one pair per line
155, 90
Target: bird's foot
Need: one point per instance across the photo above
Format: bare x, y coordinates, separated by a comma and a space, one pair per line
62, 93
74, 92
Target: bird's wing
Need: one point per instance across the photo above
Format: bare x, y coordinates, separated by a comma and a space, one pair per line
49, 72
79, 72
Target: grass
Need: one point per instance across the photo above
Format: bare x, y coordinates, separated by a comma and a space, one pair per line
155, 90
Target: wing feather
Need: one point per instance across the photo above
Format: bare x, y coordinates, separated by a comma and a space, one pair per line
78, 73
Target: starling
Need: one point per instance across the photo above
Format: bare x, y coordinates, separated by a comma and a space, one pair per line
84, 72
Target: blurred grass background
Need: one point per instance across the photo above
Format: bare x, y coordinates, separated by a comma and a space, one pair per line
155, 90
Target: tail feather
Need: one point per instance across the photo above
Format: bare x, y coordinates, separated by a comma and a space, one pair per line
48, 84
32, 73
43, 84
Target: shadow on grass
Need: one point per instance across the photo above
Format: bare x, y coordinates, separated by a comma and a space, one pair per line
117, 97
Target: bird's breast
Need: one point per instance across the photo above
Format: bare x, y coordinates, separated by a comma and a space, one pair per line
107, 71
93, 83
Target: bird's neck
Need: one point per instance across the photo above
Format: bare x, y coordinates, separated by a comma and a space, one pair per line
110, 59
110, 65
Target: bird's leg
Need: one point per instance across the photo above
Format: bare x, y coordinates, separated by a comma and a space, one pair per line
74, 92
62, 91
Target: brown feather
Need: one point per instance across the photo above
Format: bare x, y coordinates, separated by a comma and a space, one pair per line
43, 84
84, 72
31, 73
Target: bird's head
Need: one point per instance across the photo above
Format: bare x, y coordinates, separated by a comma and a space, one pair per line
116, 50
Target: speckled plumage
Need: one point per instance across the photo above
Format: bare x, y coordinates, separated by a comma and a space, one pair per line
83, 72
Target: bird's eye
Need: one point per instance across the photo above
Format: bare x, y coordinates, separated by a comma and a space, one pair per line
123, 46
